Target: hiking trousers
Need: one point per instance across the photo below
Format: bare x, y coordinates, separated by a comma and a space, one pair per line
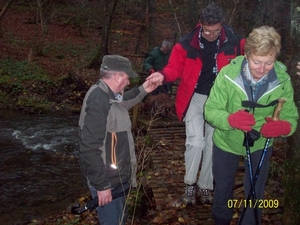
113, 213
198, 145
225, 165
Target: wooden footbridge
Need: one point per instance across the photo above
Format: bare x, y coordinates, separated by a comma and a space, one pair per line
166, 180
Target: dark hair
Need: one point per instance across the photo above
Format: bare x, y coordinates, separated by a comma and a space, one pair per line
212, 14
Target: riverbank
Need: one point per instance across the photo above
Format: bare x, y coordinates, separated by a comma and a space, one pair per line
39, 169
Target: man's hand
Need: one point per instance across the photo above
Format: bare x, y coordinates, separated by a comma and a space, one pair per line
149, 87
156, 78
298, 67
151, 71
104, 197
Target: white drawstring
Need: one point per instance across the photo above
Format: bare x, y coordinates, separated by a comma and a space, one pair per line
113, 150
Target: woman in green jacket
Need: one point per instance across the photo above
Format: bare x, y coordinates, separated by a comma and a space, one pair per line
240, 107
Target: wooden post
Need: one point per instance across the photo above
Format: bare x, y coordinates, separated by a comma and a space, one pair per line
135, 116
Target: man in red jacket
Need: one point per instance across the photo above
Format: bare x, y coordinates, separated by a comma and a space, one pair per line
196, 60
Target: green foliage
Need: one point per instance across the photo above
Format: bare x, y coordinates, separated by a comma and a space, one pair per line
22, 71
38, 103
134, 82
24, 84
11, 39
60, 49
82, 54
81, 16
15, 75
292, 191
134, 202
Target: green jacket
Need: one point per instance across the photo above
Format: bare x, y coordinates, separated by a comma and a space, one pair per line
156, 60
227, 94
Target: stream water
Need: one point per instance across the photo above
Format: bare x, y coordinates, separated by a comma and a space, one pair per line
39, 173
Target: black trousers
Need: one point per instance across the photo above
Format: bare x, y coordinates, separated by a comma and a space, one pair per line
225, 165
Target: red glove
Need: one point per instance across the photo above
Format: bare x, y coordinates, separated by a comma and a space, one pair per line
151, 71
275, 128
241, 120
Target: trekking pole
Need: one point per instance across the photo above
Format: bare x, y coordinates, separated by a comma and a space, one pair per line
274, 117
252, 185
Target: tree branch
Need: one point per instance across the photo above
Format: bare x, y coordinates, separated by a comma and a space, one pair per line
8, 4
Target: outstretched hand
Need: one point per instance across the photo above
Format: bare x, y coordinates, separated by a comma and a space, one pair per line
149, 87
156, 78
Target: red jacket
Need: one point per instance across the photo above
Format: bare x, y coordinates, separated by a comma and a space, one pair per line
185, 63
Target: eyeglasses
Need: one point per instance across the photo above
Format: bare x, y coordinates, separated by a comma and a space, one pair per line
208, 32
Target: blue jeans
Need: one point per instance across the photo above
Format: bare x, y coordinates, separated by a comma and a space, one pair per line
113, 213
225, 165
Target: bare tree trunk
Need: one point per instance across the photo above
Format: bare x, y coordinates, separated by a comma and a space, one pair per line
2, 13
5, 8
291, 214
40, 15
234, 9
108, 20
258, 14
175, 16
193, 13
152, 23
142, 27
103, 49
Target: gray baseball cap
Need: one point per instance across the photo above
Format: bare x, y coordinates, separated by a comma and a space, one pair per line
118, 63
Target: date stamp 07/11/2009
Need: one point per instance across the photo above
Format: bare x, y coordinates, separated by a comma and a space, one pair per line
258, 203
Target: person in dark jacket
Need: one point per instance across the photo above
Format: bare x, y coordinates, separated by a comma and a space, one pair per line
155, 61
106, 145
196, 61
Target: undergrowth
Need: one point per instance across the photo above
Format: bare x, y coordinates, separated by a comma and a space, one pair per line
24, 85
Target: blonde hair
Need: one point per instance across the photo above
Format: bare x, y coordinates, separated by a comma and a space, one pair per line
263, 41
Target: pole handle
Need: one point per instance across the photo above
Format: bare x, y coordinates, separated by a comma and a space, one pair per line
278, 109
